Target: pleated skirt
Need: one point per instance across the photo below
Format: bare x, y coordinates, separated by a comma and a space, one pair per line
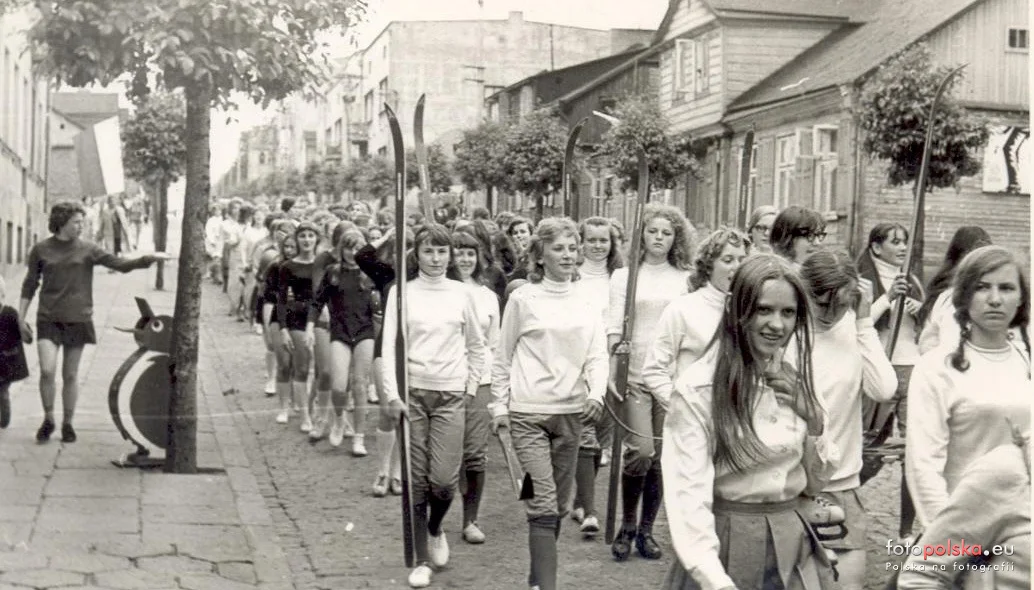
763, 546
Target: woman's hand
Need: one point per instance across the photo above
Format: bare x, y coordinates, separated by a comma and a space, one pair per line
26, 331
593, 410
310, 337
500, 422
619, 348
898, 288
912, 306
285, 339
397, 409
783, 379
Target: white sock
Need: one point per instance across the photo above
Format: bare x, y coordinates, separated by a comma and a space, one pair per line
270, 367
300, 398
283, 391
385, 449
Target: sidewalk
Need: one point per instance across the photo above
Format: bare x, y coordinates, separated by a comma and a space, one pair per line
71, 519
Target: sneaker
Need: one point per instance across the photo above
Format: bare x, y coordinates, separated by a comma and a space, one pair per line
371, 395
819, 511
346, 426
380, 487
358, 447
420, 577
258, 329
578, 514
282, 417
271, 388
473, 534
438, 549
319, 430
396, 486
590, 526
605, 457
67, 433
306, 425
337, 433
5, 410
45, 430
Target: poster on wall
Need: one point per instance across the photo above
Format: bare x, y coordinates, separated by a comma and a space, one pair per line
1007, 166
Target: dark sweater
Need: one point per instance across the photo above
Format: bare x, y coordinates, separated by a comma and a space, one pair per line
66, 270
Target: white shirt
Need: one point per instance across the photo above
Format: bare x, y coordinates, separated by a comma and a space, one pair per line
486, 304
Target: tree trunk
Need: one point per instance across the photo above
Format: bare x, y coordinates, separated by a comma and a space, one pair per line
182, 452
160, 224
540, 207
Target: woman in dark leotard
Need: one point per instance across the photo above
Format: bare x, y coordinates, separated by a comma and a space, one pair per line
293, 301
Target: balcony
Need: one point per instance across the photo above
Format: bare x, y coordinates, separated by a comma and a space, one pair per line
358, 132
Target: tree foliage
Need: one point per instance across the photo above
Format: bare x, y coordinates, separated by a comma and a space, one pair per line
643, 124
533, 156
153, 149
437, 169
894, 108
479, 156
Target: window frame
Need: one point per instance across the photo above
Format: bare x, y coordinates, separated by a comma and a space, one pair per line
788, 168
1009, 48
826, 163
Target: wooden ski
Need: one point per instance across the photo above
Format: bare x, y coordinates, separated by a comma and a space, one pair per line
571, 202
426, 206
401, 357
623, 348
743, 205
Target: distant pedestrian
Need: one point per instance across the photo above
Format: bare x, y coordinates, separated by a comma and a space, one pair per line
13, 366
64, 264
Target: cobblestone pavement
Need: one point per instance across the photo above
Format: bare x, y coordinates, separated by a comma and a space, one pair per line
336, 535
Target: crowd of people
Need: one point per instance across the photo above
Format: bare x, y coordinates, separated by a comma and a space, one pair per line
754, 362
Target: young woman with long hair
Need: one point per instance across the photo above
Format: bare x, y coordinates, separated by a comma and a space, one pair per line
936, 317
743, 440
665, 261
549, 377
962, 395
759, 227
881, 265
796, 232
467, 268
293, 300
61, 268
847, 349
343, 289
600, 258
287, 248
445, 358
688, 324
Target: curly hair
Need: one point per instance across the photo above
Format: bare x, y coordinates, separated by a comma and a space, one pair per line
710, 249
614, 258
61, 213
681, 253
546, 232
976, 264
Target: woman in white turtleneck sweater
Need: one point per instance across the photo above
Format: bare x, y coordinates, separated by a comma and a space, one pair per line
601, 256
665, 259
689, 322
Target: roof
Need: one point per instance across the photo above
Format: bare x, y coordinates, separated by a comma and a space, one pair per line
603, 62
85, 108
609, 74
853, 51
847, 10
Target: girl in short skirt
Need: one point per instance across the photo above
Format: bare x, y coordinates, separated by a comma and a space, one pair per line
743, 439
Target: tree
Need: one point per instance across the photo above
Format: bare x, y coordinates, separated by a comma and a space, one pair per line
533, 157
479, 157
154, 154
893, 111
210, 49
437, 168
643, 124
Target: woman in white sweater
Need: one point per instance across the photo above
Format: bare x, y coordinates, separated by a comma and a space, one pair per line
550, 374
689, 323
466, 251
743, 439
665, 259
600, 258
851, 363
445, 358
961, 397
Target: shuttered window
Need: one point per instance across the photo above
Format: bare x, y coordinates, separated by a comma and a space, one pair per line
685, 65
825, 142
1019, 40
785, 162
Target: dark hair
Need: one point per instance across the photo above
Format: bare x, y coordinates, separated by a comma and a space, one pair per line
966, 239
831, 271
975, 265
614, 258
759, 212
546, 232
479, 229
339, 229
518, 220
789, 224
462, 239
882, 231
738, 372
480, 213
504, 252
61, 213
245, 213
386, 251
433, 234
286, 203
272, 217
710, 249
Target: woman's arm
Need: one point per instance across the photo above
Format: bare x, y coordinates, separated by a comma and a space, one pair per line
928, 433
99, 256
509, 333
660, 358
388, 353
475, 344
380, 273
879, 381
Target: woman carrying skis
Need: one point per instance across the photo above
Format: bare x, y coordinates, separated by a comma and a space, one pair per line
549, 375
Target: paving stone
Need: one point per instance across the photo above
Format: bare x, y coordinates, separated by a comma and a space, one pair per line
28, 468
14, 535
191, 514
54, 543
174, 564
115, 515
89, 563
23, 489
97, 457
211, 543
42, 578
211, 582
134, 549
169, 489
17, 513
22, 560
104, 483
238, 571
135, 580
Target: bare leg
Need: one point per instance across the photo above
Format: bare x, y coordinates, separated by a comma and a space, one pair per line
70, 381
47, 376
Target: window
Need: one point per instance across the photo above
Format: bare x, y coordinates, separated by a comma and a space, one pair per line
693, 66
702, 66
21, 245
825, 142
10, 242
382, 90
1018, 40
684, 65
785, 161
368, 107
752, 179
262, 158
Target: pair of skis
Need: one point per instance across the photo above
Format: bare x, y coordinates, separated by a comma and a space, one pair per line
401, 356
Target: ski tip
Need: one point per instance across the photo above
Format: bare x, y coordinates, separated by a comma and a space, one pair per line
390, 111
420, 101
